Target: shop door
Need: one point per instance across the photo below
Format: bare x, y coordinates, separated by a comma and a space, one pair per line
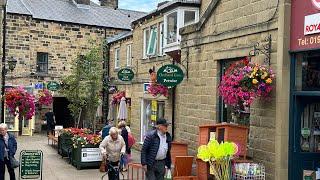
306, 136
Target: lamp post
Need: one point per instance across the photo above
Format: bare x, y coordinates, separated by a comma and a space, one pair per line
3, 5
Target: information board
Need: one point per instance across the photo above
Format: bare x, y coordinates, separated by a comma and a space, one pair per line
31, 164
91, 155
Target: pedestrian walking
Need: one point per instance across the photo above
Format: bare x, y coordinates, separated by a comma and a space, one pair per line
51, 121
8, 148
125, 135
155, 153
112, 148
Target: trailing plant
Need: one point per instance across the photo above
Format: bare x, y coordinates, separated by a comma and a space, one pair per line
45, 97
18, 100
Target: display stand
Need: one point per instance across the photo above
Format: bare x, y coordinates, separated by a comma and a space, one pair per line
221, 132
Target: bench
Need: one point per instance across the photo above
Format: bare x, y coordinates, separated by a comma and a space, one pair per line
54, 140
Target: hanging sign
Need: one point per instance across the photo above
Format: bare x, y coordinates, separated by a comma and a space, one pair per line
170, 75
53, 86
31, 164
305, 25
125, 74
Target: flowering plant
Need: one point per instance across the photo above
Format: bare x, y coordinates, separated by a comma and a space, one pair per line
75, 131
156, 89
86, 139
116, 98
45, 97
243, 82
20, 101
219, 157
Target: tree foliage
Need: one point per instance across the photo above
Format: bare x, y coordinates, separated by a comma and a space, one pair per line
82, 87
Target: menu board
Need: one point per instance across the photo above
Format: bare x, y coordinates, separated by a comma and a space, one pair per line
31, 164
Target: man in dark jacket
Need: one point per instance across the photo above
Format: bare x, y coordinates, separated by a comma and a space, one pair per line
155, 153
51, 122
8, 148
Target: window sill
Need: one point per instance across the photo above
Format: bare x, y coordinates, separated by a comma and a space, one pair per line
116, 69
154, 59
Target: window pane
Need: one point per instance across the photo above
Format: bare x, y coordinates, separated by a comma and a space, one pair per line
117, 58
152, 46
42, 62
172, 28
161, 39
307, 72
146, 42
189, 17
129, 55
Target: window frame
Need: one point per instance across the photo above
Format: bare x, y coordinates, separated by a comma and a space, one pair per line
153, 33
145, 41
117, 58
45, 64
161, 38
129, 55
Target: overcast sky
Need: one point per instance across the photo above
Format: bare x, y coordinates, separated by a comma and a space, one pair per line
137, 5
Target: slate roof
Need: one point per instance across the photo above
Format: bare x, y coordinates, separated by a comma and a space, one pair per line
66, 11
119, 36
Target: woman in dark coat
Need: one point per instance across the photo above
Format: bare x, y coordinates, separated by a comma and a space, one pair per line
124, 133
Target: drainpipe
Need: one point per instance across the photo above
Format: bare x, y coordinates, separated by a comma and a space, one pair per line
106, 67
173, 107
3, 72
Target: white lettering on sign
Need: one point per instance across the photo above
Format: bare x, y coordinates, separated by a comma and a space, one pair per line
312, 24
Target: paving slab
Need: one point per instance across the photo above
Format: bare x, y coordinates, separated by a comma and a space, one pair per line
54, 166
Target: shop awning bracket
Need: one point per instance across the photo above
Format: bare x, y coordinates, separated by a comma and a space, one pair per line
263, 47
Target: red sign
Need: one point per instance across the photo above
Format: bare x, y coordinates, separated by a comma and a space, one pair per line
305, 26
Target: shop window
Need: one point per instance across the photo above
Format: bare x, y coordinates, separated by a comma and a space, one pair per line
227, 112
172, 29
307, 72
151, 110
129, 55
42, 62
189, 17
117, 58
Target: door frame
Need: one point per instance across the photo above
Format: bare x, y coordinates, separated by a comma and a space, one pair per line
294, 107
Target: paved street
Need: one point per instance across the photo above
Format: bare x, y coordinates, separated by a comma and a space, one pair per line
55, 167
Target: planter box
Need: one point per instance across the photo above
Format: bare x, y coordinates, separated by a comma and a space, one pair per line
87, 156
64, 145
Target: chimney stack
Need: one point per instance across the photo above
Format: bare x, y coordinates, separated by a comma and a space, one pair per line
110, 3
85, 2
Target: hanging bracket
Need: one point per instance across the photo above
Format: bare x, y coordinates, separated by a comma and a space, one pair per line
264, 48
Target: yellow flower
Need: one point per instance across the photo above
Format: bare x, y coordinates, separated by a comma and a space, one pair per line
254, 81
269, 81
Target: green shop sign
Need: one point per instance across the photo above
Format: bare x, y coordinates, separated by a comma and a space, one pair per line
31, 164
170, 75
53, 86
125, 74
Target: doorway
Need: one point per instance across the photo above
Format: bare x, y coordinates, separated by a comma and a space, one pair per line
304, 131
62, 112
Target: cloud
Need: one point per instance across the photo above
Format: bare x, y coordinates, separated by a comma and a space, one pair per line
138, 5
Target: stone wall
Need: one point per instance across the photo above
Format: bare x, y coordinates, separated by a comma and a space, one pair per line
62, 41
229, 31
141, 68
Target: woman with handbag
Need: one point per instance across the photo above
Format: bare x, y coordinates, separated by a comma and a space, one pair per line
8, 148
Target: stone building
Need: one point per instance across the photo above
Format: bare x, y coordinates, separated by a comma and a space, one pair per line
44, 36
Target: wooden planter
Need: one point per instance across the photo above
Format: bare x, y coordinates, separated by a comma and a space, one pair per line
64, 145
178, 149
88, 156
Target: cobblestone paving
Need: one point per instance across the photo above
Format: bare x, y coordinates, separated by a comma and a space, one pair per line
55, 167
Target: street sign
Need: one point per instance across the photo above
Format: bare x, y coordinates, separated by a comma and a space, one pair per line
31, 164
53, 86
38, 86
125, 74
170, 75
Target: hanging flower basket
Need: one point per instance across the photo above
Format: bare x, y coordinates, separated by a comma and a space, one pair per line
158, 89
116, 98
20, 101
45, 97
243, 82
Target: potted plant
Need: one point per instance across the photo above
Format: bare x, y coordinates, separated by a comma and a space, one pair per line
44, 97
242, 83
219, 157
85, 150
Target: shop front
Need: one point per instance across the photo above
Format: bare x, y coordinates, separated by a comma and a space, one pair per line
304, 133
